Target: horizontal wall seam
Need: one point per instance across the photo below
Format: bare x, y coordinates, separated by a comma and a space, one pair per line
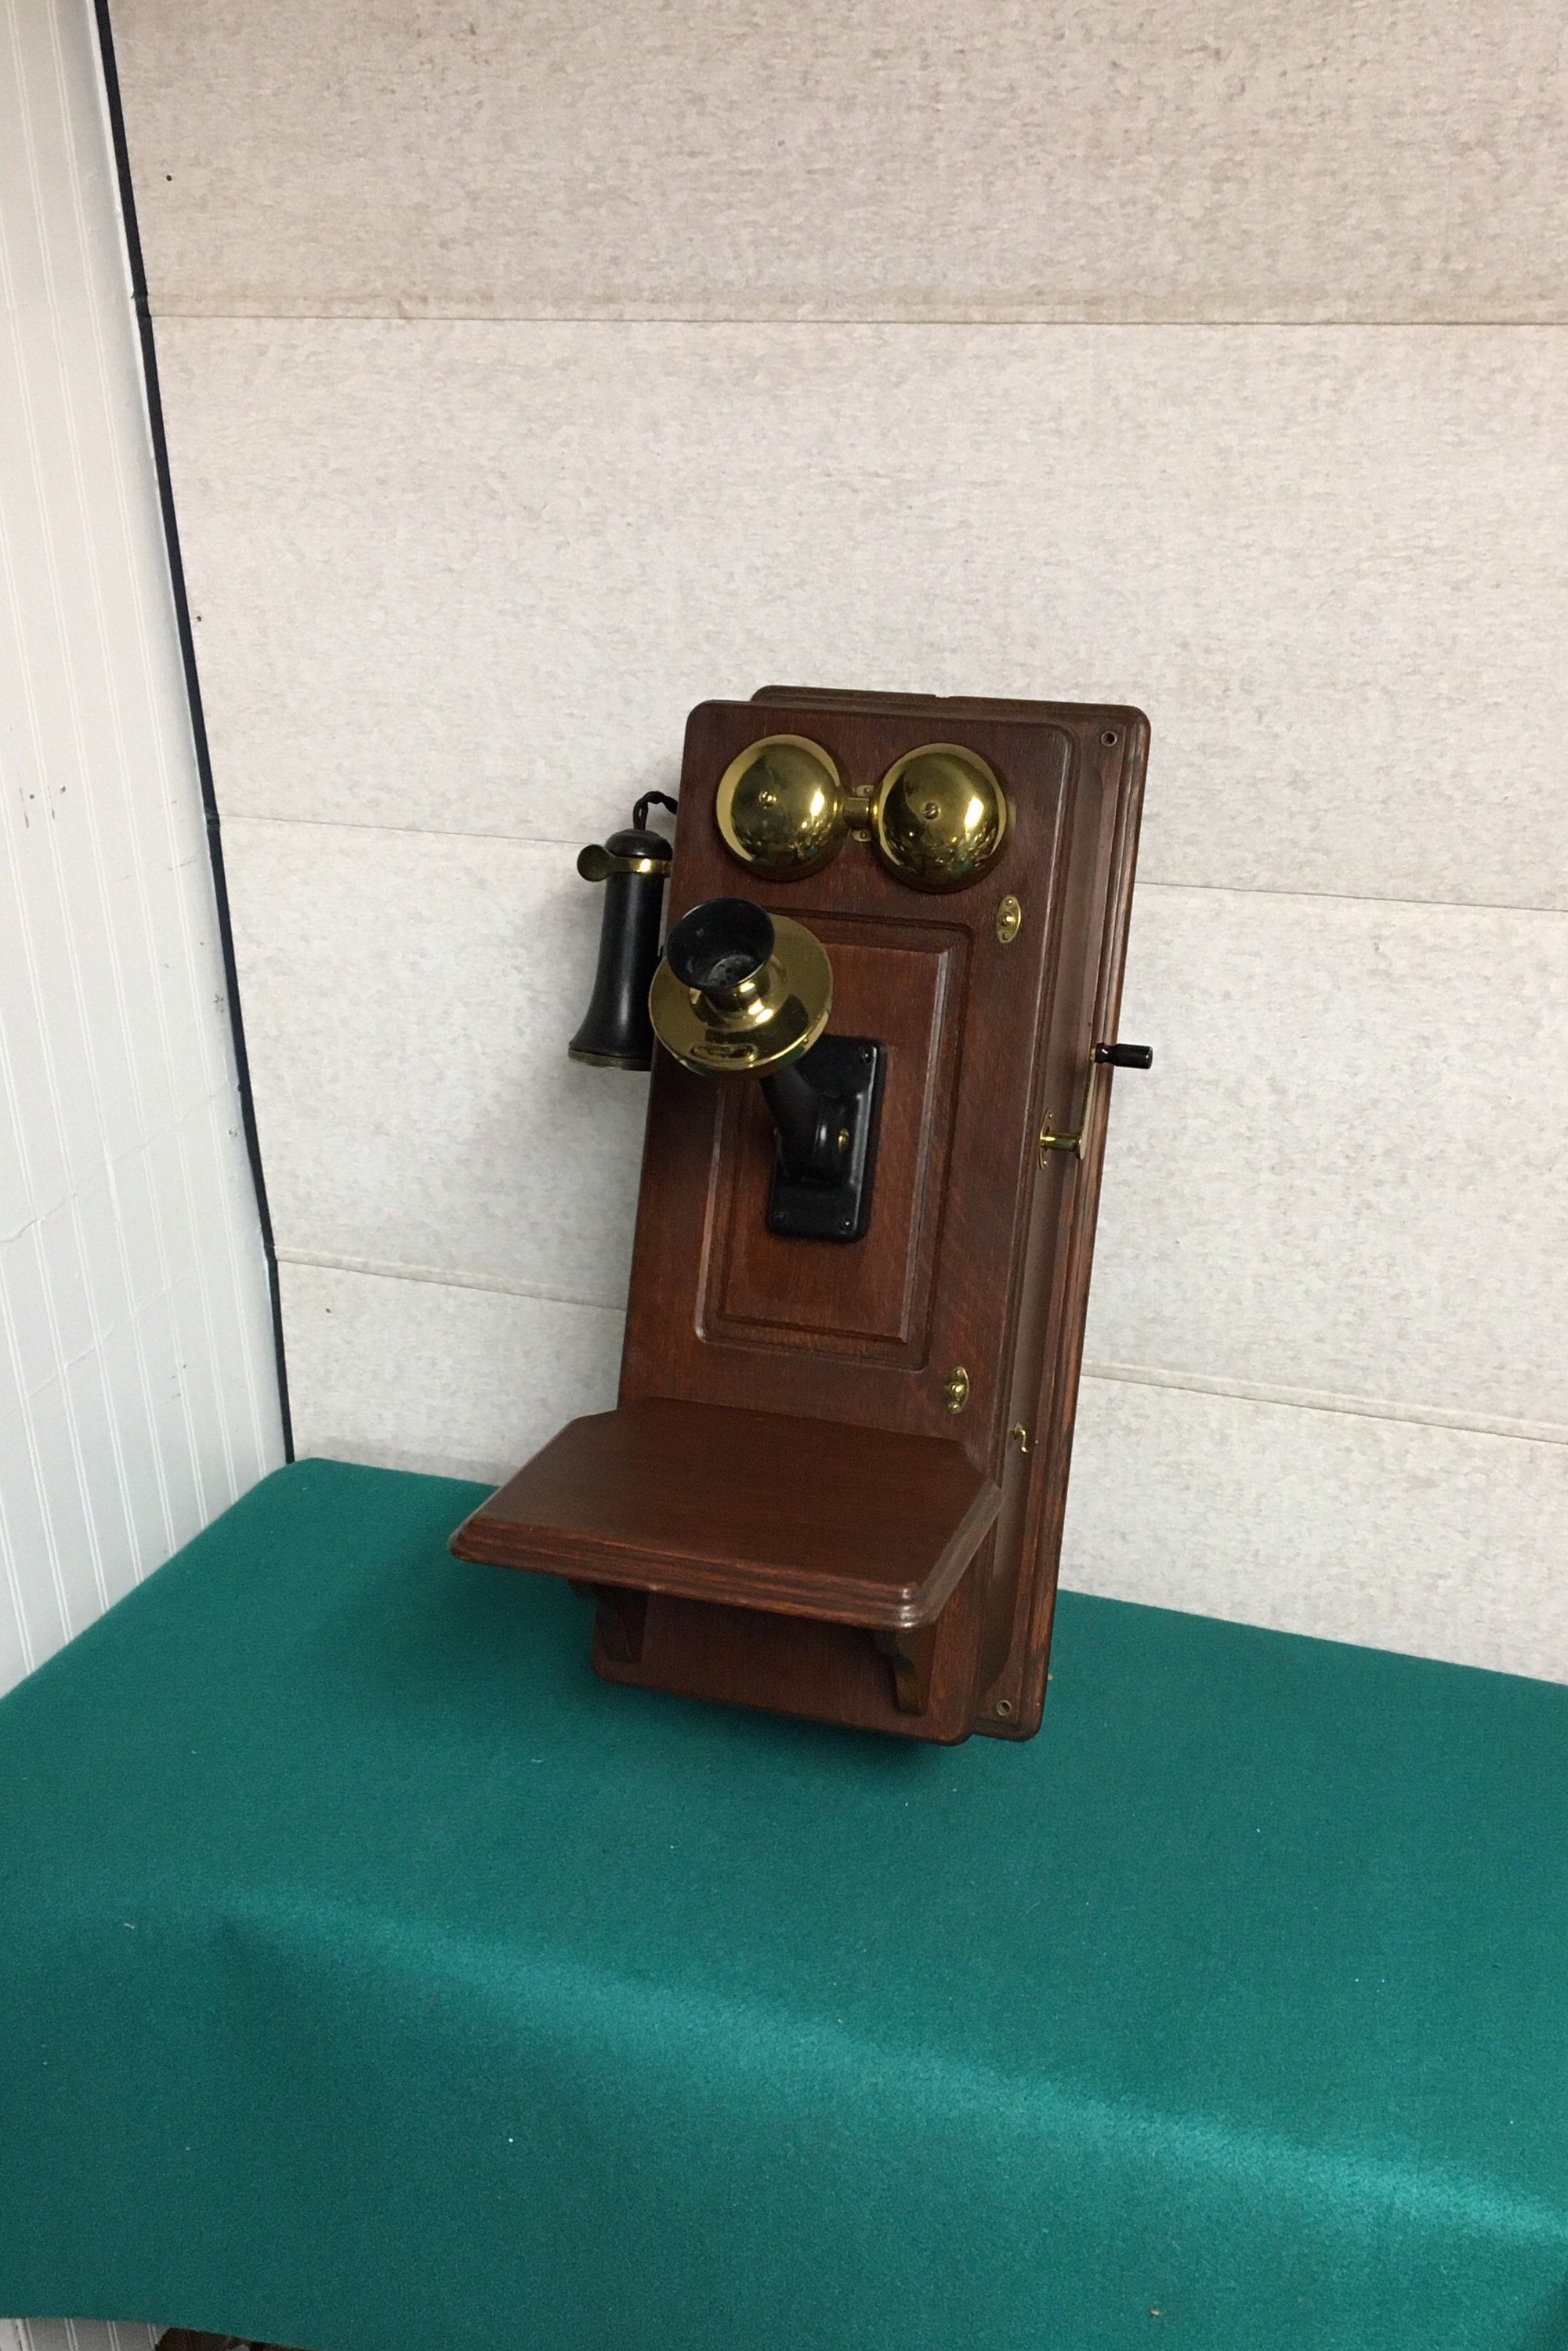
443, 1278
1000, 317
1502, 1425
1356, 897
1145, 881
1420, 1416
414, 831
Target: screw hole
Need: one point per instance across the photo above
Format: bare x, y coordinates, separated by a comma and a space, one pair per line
1004, 1707
1109, 737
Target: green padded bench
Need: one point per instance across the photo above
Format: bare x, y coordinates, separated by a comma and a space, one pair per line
373, 1978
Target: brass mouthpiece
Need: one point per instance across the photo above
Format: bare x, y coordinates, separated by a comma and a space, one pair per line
739, 991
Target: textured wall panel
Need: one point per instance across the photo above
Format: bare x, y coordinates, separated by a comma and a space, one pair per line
955, 157
408, 1000
1343, 1173
422, 1376
1446, 1542
471, 578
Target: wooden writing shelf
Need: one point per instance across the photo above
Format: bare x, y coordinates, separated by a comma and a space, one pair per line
753, 1509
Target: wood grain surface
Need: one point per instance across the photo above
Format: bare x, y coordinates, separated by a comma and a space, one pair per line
712, 1502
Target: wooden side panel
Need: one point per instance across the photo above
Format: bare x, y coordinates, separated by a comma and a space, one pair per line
1062, 1256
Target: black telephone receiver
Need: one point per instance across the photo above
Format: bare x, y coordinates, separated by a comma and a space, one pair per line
616, 1032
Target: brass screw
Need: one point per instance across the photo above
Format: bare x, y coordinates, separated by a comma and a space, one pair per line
844, 1138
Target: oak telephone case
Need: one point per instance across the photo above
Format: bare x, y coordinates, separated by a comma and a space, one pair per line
882, 1027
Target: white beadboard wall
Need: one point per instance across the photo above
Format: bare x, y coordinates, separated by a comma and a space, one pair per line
533, 373
74, 2335
138, 1384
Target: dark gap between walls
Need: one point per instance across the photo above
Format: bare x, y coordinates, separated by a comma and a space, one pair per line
192, 689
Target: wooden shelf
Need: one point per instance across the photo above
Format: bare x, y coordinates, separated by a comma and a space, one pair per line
754, 1509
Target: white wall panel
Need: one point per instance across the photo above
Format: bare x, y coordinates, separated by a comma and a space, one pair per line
429, 1376
1230, 158
1343, 1173
472, 578
409, 999
138, 1392
1441, 1542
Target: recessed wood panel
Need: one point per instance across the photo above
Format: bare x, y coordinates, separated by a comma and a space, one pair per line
703, 1322
904, 987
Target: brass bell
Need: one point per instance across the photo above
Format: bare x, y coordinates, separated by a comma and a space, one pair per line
940, 819
781, 807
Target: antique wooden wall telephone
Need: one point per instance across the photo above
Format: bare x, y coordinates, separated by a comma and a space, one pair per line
834, 1483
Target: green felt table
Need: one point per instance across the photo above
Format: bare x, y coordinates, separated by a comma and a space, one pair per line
371, 1976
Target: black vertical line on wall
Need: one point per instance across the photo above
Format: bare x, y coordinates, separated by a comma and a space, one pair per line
192, 689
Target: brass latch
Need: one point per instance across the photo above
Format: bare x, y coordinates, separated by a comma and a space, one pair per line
1115, 1057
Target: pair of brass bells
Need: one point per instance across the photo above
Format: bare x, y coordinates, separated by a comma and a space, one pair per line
938, 820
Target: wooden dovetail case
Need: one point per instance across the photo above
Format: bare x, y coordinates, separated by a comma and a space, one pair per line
834, 1480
